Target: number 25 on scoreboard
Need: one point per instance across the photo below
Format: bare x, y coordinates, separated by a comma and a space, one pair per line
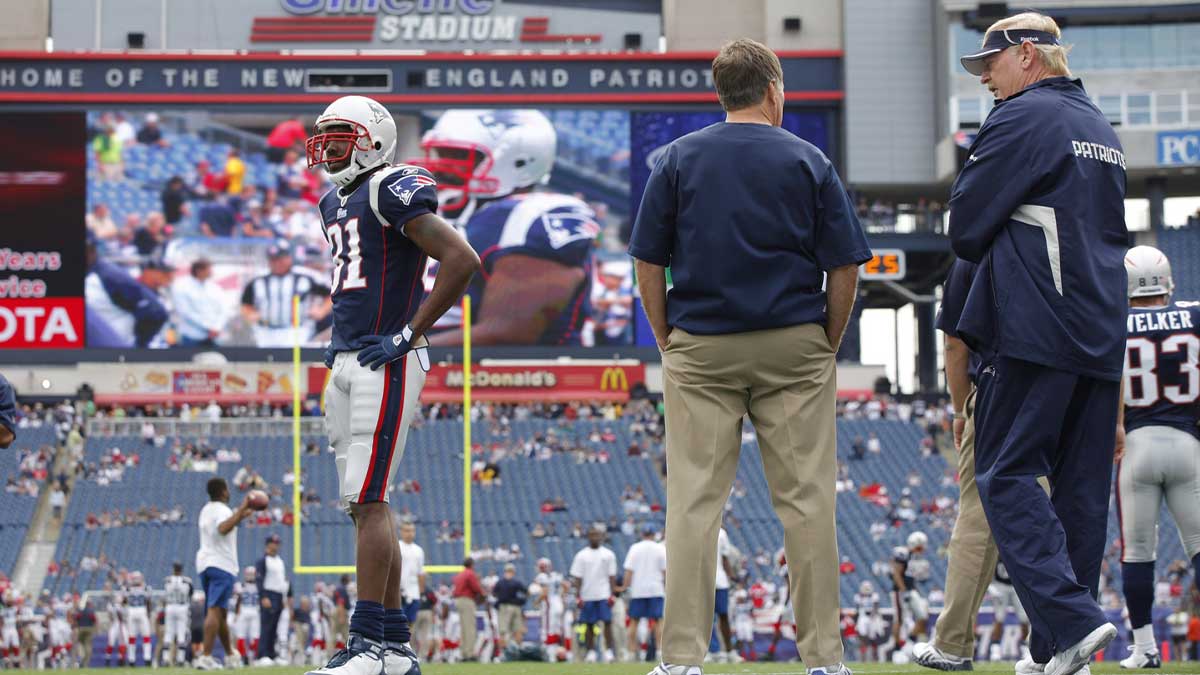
885, 264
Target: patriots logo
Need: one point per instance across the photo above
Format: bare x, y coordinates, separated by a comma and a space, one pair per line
409, 184
378, 114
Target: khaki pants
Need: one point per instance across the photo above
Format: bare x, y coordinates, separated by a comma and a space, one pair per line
785, 380
512, 624
972, 555
422, 631
466, 616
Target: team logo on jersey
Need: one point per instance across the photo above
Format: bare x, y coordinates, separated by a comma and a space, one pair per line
564, 228
409, 184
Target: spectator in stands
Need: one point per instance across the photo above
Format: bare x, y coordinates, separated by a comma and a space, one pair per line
124, 130
107, 149
150, 238
100, 223
199, 313
206, 183
174, 200
58, 500
858, 449
217, 219
511, 594
235, 172
873, 444
150, 133
8, 413
287, 135
290, 178
467, 593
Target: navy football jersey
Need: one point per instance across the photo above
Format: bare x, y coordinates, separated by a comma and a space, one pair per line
903, 557
540, 225
1162, 379
377, 270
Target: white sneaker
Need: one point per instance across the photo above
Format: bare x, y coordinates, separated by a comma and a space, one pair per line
264, 662
1071, 659
665, 669
282, 661
732, 656
234, 662
1027, 666
994, 653
1140, 659
401, 661
360, 657
609, 657
839, 669
591, 657
929, 656
206, 662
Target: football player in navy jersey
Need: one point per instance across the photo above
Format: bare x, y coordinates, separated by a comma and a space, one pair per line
382, 225
1162, 442
536, 247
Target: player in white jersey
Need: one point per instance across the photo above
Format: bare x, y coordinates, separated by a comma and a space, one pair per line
743, 619
10, 637
382, 226
177, 592
118, 630
870, 626
550, 604
1162, 442
60, 628
137, 602
247, 622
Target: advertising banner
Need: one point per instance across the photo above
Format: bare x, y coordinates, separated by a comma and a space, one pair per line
42, 264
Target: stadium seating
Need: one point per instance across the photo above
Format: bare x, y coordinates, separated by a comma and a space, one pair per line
1182, 246
505, 513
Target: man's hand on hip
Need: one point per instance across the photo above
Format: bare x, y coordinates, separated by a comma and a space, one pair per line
382, 349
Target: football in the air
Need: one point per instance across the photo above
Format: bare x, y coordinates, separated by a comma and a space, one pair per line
258, 500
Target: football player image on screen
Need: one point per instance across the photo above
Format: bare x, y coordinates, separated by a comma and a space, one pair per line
382, 226
536, 246
1162, 443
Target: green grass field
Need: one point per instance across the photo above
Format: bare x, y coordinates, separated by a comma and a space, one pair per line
1111, 668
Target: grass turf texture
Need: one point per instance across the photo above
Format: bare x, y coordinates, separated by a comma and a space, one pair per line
1107, 668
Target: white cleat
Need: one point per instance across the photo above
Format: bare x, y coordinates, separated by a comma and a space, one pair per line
1138, 659
839, 669
1070, 660
665, 669
401, 660
927, 655
1027, 666
206, 662
360, 657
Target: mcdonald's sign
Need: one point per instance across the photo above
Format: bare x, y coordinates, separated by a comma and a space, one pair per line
614, 379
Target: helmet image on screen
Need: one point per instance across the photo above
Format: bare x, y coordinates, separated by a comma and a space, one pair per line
537, 246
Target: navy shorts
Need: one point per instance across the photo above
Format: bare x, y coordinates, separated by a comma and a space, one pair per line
411, 609
646, 608
721, 608
595, 612
218, 587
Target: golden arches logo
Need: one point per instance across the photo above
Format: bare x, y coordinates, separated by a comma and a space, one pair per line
614, 378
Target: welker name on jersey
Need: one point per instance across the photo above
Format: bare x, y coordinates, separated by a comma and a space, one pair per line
377, 269
1162, 375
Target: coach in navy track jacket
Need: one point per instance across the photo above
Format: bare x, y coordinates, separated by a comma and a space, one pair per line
1039, 206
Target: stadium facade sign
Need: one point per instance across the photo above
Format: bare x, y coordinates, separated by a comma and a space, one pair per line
446, 25
681, 77
1179, 148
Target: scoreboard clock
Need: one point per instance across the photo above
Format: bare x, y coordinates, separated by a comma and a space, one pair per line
885, 264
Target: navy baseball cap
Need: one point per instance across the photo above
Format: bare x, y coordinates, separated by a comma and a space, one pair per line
999, 40
279, 249
273, 539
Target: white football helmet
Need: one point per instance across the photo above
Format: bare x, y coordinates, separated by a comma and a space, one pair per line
249, 573
917, 541
486, 154
866, 588
136, 578
370, 135
1149, 272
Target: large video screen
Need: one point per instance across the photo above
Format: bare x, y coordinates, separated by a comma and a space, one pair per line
202, 225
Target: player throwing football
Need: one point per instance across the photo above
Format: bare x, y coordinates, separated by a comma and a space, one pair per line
381, 224
1162, 405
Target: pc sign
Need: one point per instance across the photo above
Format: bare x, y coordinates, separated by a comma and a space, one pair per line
1176, 148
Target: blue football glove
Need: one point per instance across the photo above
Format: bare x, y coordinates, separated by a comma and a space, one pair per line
329, 354
383, 349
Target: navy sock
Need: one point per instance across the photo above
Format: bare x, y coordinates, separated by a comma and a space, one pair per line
1137, 580
395, 626
368, 620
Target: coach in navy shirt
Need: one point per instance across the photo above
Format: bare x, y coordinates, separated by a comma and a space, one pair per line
763, 246
1039, 206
